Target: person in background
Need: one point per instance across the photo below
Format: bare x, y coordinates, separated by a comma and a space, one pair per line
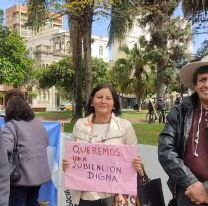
4, 174
102, 126
183, 143
150, 107
161, 107
32, 138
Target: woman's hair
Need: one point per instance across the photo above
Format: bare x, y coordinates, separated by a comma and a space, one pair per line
17, 108
117, 105
13, 93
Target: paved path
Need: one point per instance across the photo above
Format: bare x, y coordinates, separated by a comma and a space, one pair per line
153, 168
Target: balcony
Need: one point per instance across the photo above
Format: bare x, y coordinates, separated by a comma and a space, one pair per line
43, 49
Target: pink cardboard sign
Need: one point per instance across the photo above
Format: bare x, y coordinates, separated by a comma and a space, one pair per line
101, 168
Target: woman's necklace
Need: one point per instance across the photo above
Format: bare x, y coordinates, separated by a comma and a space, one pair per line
99, 131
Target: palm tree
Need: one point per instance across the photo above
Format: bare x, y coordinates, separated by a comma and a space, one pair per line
168, 40
133, 71
194, 7
196, 11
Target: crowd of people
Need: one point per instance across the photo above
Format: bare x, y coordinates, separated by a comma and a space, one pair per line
182, 148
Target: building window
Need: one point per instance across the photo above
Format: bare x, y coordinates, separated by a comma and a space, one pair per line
100, 50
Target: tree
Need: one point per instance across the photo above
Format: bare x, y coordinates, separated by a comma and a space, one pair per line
132, 72
203, 51
169, 37
196, 12
13, 58
80, 15
30, 79
62, 75
100, 71
1, 17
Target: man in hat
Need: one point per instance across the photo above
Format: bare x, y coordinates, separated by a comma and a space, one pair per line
183, 144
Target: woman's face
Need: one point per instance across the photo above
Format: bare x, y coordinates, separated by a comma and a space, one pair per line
103, 102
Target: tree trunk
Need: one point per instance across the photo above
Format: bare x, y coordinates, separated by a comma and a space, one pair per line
138, 96
87, 53
160, 82
27, 96
76, 45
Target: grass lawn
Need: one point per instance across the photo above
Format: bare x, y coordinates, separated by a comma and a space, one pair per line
134, 116
54, 116
146, 133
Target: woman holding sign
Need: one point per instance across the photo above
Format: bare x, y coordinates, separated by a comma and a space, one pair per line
102, 126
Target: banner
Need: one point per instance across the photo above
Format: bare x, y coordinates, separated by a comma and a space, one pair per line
48, 191
64, 195
101, 168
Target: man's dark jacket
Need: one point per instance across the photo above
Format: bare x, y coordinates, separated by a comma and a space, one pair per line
173, 140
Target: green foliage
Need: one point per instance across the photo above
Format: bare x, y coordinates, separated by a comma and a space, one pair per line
32, 94
131, 74
1, 17
99, 71
62, 75
196, 12
31, 75
148, 133
37, 14
59, 74
13, 58
121, 19
203, 51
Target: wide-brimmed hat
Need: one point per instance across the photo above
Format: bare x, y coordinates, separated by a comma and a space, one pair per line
187, 73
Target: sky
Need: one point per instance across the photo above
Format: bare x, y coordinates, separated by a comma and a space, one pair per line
101, 27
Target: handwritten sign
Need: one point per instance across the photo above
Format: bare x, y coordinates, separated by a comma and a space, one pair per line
101, 168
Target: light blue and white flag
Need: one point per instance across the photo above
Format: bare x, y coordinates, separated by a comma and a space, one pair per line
48, 191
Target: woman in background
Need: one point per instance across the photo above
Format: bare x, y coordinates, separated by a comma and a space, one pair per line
32, 141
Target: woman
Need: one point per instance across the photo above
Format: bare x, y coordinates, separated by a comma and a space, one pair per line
102, 126
21, 125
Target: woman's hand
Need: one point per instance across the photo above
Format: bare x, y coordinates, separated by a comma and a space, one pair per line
65, 164
138, 165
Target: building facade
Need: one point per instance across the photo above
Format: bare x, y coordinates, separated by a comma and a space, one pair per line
17, 16
50, 46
